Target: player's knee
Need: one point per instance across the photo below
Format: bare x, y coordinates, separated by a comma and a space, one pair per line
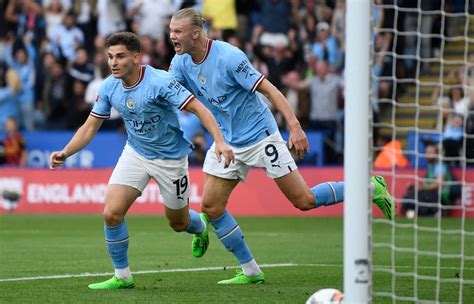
212, 211
112, 218
303, 202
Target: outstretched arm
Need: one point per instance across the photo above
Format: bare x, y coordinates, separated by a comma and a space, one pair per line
209, 122
81, 138
297, 138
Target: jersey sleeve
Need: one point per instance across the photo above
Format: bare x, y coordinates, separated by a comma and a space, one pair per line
101, 108
174, 92
242, 71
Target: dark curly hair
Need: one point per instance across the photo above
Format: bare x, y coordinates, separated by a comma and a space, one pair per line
130, 40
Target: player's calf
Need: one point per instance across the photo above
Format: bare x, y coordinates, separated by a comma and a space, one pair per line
303, 202
178, 226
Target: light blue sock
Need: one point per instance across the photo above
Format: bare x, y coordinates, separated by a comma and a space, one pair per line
327, 194
196, 226
116, 239
229, 233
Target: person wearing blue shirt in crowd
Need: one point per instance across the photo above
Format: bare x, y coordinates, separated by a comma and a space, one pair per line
148, 100
22, 60
10, 98
223, 79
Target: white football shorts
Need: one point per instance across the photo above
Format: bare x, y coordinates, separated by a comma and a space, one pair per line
271, 154
171, 175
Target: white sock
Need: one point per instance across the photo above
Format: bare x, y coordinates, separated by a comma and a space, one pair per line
124, 273
251, 268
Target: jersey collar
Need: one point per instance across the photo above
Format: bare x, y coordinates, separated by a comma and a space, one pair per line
140, 78
208, 50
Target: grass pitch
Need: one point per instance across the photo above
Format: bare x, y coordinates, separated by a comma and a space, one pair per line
52, 259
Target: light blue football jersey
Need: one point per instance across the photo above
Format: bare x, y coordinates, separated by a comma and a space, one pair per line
149, 110
225, 82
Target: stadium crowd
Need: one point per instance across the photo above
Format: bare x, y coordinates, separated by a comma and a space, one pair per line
55, 50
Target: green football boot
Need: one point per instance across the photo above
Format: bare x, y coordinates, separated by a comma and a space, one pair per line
113, 283
242, 279
201, 241
382, 198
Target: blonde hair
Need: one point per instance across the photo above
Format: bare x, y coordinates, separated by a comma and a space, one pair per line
190, 13
13, 80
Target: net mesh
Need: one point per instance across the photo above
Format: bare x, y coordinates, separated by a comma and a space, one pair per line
423, 124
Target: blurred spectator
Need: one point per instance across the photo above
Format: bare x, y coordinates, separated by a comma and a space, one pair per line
148, 56
14, 145
279, 59
221, 15
164, 52
465, 73
111, 17
66, 4
150, 17
378, 14
10, 98
197, 156
325, 93
429, 12
382, 68
307, 34
246, 15
291, 94
99, 60
5, 26
269, 32
338, 24
391, 156
66, 39
54, 13
427, 194
317, 8
77, 109
381, 85
415, 20
79, 70
325, 47
455, 102
453, 138
86, 19
53, 99
46, 61
21, 59
408, 23
25, 17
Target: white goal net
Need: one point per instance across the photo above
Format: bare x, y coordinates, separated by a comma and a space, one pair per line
422, 90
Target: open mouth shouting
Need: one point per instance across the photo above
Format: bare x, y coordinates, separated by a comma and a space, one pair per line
177, 47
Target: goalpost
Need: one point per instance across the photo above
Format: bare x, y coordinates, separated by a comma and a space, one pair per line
356, 150
415, 258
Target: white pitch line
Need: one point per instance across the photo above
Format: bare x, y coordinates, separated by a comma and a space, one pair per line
88, 274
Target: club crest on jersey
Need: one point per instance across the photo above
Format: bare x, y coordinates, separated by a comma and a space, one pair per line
130, 104
202, 79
